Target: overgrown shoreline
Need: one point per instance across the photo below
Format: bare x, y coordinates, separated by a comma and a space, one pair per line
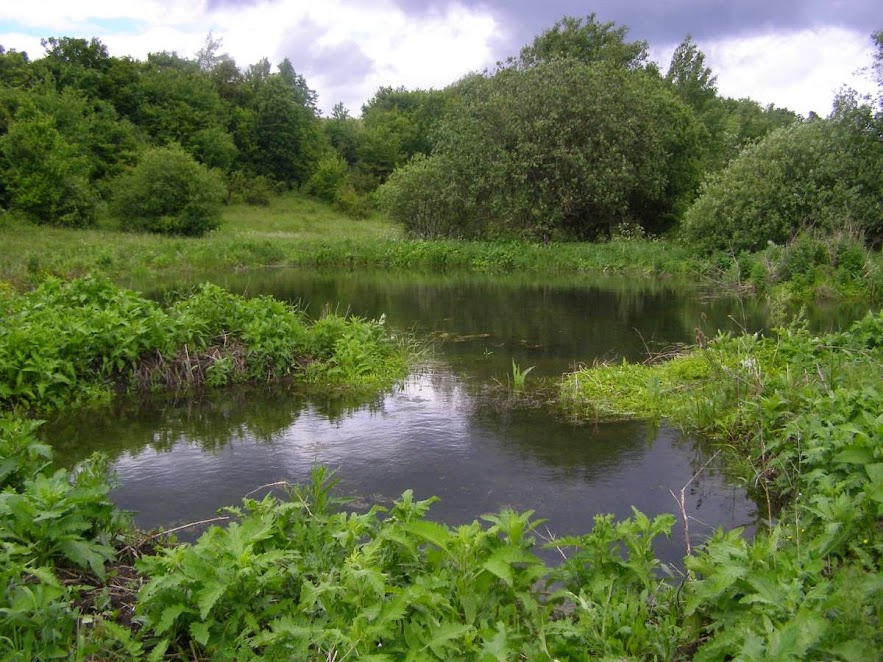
64, 344
301, 577
297, 231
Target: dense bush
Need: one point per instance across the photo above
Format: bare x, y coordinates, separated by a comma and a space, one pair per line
170, 193
45, 176
250, 189
561, 148
330, 176
822, 174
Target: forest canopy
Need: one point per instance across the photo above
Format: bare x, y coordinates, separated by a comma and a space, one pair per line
580, 136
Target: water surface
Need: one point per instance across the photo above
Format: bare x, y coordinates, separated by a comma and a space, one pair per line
450, 430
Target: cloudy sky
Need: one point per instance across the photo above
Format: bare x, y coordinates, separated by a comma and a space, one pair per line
794, 53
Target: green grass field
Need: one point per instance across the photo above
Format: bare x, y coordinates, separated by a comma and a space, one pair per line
296, 230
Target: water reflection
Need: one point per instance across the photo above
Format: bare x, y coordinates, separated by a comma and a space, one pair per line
447, 431
180, 461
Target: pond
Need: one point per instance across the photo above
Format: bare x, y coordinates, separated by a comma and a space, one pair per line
452, 429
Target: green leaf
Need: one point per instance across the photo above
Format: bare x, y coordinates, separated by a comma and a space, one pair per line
168, 617
442, 637
875, 472
200, 632
207, 597
500, 562
855, 456
87, 553
159, 652
433, 532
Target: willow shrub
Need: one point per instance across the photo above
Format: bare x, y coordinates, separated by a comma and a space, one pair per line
820, 175
561, 149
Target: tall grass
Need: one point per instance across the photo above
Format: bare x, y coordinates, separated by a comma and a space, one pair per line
294, 230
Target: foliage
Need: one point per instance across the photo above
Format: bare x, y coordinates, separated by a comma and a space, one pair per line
170, 193
398, 124
286, 130
64, 343
802, 415
328, 179
585, 40
813, 266
44, 175
302, 579
559, 149
519, 376
815, 175
689, 77
52, 525
252, 190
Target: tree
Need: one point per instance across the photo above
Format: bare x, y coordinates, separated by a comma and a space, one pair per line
170, 193
343, 133
877, 38
398, 124
689, 77
585, 40
181, 105
15, 68
286, 131
43, 175
561, 148
74, 62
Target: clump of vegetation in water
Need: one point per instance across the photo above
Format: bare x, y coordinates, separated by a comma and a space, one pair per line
800, 415
70, 342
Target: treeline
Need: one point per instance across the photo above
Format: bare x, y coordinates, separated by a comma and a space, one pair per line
580, 136
160, 144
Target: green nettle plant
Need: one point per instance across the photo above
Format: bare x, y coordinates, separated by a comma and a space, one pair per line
169, 192
65, 343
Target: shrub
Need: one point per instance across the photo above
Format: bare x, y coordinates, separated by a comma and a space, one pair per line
817, 175
351, 203
170, 193
252, 190
330, 177
559, 149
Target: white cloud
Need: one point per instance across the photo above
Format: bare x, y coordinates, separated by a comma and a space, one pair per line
802, 71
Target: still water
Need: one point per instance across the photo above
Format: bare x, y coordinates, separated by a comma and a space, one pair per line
451, 429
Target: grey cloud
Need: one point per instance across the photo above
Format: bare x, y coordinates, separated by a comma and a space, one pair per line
345, 63
664, 22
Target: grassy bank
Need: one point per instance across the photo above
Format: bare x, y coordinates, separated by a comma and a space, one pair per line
295, 230
68, 343
799, 417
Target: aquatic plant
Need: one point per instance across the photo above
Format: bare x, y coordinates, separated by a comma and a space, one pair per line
519, 376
